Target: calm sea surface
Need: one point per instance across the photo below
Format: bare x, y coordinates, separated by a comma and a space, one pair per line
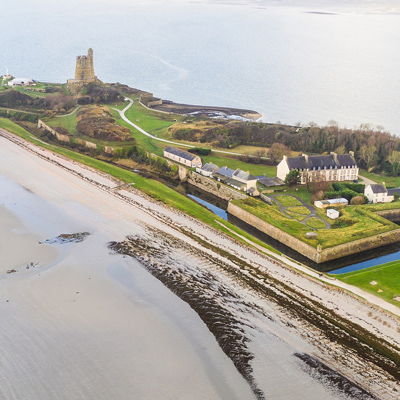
287, 63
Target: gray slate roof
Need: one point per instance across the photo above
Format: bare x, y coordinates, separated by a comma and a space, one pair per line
268, 182
315, 162
209, 167
180, 153
234, 182
391, 192
243, 175
378, 188
225, 171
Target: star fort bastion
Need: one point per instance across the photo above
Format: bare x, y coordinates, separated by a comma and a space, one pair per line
84, 70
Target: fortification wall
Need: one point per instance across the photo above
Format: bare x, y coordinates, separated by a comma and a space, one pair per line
69, 139
391, 215
212, 186
316, 255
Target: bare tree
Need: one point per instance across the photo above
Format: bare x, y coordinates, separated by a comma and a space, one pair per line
369, 155
257, 155
394, 159
340, 150
276, 152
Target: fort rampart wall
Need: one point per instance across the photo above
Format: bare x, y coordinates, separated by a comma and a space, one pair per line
317, 255
69, 139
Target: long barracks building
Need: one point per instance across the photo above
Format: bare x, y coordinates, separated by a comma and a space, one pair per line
330, 168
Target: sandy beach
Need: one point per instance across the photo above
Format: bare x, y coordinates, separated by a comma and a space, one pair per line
157, 315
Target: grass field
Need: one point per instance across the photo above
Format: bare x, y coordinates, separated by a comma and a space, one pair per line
68, 122
356, 222
315, 223
151, 187
233, 163
299, 210
386, 276
288, 201
393, 181
151, 121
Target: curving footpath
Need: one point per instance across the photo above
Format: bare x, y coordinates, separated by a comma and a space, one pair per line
313, 214
123, 116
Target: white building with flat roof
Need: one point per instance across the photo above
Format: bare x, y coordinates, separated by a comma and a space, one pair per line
21, 82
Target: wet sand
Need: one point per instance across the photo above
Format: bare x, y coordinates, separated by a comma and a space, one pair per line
83, 323
102, 321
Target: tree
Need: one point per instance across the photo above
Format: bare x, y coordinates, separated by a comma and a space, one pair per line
276, 152
257, 156
368, 154
394, 160
292, 178
340, 150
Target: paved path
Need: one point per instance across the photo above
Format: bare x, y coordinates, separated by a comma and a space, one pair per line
284, 210
72, 112
321, 276
367, 181
122, 114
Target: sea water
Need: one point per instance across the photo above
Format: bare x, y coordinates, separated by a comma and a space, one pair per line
318, 61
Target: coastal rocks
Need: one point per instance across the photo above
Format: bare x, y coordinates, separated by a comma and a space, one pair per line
67, 238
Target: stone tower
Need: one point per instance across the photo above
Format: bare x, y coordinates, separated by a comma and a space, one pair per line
84, 70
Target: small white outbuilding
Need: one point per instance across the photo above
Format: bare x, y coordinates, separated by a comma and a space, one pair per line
21, 82
332, 214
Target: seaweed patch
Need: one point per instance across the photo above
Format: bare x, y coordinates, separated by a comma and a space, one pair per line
67, 238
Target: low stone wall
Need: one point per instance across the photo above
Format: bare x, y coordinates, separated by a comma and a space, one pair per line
212, 186
316, 255
68, 139
391, 215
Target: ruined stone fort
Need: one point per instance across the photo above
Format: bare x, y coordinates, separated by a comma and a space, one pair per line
84, 69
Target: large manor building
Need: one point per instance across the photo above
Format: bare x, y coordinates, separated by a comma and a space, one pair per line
330, 168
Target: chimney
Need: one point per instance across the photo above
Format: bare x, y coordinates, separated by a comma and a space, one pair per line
306, 156
351, 153
334, 155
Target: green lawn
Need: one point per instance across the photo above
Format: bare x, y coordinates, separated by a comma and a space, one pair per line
299, 210
288, 201
68, 122
299, 191
393, 181
156, 124
234, 163
386, 276
315, 223
295, 216
355, 222
151, 121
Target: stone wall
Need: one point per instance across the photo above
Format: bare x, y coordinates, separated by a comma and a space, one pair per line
212, 186
316, 255
391, 215
68, 139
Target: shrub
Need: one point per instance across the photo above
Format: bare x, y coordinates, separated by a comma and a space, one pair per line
200, 150
292, 178
357, 200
